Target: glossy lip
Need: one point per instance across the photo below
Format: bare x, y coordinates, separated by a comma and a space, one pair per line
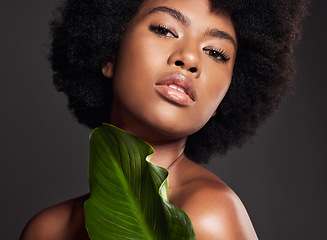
173, 94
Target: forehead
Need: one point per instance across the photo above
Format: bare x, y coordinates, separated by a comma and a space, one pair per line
198, 12
178, 4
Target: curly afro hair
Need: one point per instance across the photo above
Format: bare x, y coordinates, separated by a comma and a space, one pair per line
86, 34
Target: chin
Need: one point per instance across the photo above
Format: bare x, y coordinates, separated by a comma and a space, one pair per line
176, 129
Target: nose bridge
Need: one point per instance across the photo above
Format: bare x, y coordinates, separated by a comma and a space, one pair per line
187, 56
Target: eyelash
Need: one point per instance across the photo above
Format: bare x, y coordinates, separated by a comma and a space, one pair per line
163, 31
221, 55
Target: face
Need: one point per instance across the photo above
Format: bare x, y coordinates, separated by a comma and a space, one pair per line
173, 68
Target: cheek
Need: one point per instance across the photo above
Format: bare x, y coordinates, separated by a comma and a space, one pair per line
216, 89
131, 66
140, 62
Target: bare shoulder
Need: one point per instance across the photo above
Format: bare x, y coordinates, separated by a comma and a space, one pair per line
214, 209
61, 221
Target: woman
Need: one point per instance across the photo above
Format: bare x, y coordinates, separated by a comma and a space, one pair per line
190, 77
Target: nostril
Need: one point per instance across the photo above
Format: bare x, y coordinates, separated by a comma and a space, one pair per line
180, 63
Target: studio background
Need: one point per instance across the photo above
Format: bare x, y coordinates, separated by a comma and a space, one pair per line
280, 175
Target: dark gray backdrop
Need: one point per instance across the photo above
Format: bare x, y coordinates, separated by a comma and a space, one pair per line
280, 175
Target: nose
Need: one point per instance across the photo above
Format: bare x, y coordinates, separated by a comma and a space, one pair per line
186, 57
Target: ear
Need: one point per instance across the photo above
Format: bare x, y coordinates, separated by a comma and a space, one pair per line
108, 69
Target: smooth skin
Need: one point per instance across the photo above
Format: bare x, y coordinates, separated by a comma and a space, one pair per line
168, 37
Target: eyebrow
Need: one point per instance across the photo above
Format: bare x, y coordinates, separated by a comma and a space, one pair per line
172, 12
221, 34
186, 21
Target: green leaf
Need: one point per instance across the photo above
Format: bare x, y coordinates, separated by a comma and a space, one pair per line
129, 194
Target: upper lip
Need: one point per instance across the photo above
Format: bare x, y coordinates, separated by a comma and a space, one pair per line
180, 80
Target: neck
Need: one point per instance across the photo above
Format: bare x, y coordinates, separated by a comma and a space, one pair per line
168, 153
168, 150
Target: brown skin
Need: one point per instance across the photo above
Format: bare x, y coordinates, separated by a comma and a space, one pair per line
146, 55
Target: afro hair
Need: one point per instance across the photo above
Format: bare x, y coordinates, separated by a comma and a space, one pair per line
86, 34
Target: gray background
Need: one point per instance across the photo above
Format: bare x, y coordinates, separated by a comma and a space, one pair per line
280, 174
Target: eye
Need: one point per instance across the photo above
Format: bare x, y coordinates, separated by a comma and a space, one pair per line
162, 31
217, 54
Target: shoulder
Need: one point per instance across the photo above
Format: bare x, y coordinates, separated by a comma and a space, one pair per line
56, 222
214, 209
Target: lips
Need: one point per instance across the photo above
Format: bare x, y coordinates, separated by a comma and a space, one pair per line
177, 88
